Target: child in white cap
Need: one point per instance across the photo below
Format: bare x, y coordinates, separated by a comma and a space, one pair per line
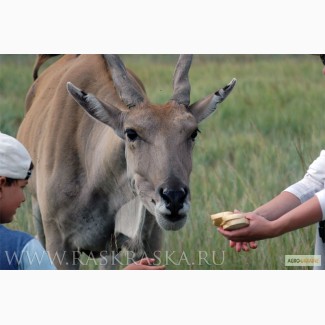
18, 250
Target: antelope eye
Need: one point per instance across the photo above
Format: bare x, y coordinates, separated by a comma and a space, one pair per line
194, 134
131, 134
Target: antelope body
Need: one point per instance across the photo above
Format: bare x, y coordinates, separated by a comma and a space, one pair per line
112, 170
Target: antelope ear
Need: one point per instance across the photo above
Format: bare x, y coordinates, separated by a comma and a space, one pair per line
107, 114
206, 106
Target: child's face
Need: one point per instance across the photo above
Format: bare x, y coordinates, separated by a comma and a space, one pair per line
11, 198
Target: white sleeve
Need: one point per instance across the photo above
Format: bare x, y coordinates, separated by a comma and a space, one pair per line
35, 257
312, 182
321, 198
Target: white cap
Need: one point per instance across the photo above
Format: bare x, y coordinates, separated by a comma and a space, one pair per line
15, 160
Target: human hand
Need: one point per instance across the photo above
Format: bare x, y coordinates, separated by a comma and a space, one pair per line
245, 246
259, 228
144, 264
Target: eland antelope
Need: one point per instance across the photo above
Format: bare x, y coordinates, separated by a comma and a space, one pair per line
112, 169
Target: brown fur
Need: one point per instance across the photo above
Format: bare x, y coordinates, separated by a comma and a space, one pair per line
41, 58
87, 169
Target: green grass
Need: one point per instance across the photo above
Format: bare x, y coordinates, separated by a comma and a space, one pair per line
260, 141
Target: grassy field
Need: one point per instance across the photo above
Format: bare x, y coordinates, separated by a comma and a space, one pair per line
261, 140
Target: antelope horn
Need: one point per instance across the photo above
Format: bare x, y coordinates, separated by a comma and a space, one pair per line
181, 83
126, 89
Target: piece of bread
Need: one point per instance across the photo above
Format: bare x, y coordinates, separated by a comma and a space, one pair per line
218, 218
229, 220
236, 224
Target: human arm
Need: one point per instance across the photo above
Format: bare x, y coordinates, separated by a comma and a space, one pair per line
278, 206
144, 264
301, 216
303, 190
271, 210
312, 183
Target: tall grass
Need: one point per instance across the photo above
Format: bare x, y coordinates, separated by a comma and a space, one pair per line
261, 140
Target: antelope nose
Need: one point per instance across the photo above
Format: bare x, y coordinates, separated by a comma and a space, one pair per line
174, 199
